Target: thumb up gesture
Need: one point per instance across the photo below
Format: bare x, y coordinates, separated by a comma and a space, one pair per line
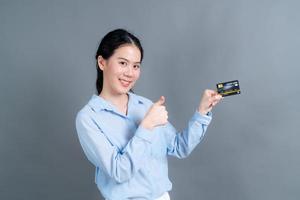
157, 115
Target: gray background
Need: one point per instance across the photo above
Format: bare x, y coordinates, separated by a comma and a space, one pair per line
251, 150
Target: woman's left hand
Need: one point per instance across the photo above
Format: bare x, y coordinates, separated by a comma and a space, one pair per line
209, 99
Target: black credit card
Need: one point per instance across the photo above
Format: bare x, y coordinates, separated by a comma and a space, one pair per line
229, 88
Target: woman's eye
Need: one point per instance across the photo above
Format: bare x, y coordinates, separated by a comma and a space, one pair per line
123, 63
136, 66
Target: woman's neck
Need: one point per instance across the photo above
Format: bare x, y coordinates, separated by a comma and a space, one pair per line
119, 100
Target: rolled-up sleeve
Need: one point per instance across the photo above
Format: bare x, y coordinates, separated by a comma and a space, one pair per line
181, 144
121, 165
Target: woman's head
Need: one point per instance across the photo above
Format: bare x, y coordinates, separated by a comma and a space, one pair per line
118, 60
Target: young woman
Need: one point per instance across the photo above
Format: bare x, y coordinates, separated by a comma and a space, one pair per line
127, 137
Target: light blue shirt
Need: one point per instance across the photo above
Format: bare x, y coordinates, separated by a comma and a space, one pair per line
131, 161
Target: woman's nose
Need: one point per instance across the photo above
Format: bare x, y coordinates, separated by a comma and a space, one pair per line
129, 71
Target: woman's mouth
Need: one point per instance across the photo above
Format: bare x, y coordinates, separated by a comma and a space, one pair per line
125, 83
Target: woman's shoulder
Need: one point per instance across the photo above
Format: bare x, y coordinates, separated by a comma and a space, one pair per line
84, 113
93, 105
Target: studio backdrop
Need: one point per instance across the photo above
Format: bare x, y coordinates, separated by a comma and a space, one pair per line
48, 72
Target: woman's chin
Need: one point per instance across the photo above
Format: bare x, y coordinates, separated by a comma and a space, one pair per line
124, 90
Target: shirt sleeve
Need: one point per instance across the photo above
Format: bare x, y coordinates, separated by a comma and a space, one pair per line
121, 165
181, 144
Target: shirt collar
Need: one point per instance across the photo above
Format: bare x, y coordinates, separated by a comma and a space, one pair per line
98, 103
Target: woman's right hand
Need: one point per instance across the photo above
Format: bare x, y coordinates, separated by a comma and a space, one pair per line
157, 115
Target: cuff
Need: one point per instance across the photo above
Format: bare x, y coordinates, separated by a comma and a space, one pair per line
202, 119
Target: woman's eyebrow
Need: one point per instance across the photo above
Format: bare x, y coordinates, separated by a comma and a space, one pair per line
127, 60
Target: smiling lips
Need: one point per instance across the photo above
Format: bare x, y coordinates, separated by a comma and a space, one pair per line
125, 83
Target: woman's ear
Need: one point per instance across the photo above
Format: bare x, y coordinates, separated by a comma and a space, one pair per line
101, 62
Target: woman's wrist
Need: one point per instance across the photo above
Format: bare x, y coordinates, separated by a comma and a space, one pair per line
201, 111
146, 125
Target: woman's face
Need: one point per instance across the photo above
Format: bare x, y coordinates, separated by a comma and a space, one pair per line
121, 70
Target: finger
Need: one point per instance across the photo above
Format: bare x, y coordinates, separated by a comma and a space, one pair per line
218, 97
216, 102
215, 93
164, 108
211, 100
211, 92
161, 101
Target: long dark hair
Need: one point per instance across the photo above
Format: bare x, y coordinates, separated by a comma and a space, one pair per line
110, 42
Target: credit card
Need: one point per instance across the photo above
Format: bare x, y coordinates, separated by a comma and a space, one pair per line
229, 88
